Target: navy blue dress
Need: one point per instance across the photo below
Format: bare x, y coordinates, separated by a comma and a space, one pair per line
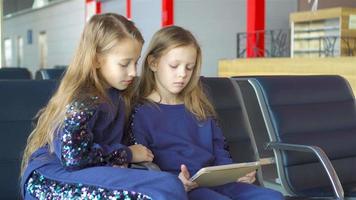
86, 147
176, 137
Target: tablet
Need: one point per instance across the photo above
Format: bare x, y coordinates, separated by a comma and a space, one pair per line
222, 174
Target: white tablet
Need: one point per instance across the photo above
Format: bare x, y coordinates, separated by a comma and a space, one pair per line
222, 174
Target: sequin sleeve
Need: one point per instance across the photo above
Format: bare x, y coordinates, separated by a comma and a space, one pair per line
77, 147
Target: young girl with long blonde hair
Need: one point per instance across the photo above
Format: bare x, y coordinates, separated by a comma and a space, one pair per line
177, 122
75, 151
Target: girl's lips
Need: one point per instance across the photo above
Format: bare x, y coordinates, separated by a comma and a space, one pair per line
127, 82
179, 84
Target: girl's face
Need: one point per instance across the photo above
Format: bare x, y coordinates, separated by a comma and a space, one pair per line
173, 70
118, 67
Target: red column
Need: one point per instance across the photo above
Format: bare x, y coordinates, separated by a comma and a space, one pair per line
92, 7
98, 7
255, 28
128, 9
167, 12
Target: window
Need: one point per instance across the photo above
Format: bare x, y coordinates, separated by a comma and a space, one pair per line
8, 52
42, 44
19, 51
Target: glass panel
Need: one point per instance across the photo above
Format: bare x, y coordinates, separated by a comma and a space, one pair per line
20, 52
42, 44
8, 52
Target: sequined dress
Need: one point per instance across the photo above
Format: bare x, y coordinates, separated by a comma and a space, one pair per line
86, 147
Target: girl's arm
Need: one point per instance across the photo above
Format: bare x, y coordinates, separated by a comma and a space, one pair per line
77, 149
138, 127
222, 155
140, 134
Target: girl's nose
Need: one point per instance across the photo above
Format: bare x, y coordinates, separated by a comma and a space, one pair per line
182, 72
132, 71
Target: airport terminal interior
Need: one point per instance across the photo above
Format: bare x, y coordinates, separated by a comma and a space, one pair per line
280, 74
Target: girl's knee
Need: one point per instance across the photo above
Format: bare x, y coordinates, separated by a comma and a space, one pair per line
249, 191
172, 181
170, 187
272, 194
206, 194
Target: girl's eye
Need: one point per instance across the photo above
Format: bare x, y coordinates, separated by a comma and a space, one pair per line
124, 65
190, 68
173, 66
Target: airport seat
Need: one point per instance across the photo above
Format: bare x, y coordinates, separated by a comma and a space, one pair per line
20, 101
61, 66
311, 123
14, 73
50, 73
258, 128
226, 98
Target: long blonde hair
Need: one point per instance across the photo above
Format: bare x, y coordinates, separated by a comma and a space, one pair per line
193, 96
101, 34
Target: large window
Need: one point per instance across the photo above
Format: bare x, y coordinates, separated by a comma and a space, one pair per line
8, 52
42, 44
19, 51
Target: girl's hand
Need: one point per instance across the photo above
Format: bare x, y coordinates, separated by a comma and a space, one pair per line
140, 153
184, 176
248, 178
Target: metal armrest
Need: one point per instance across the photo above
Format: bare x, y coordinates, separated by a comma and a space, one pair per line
146, 165
323, 158
267, 161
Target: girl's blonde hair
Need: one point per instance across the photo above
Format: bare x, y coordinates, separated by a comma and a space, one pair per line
101, 34
193, 96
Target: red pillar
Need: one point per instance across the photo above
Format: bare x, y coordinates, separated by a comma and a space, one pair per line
128, 9
255, 28
92, 7
98, 7
167, 12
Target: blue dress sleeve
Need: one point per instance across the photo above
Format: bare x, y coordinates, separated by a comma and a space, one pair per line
76, 147
222, 156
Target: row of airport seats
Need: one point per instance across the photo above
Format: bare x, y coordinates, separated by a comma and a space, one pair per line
14, 73
311, 123
20, 101
50, 74
307, 124
23, 73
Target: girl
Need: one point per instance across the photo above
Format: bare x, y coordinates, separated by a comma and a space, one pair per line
177, 122
75, 151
